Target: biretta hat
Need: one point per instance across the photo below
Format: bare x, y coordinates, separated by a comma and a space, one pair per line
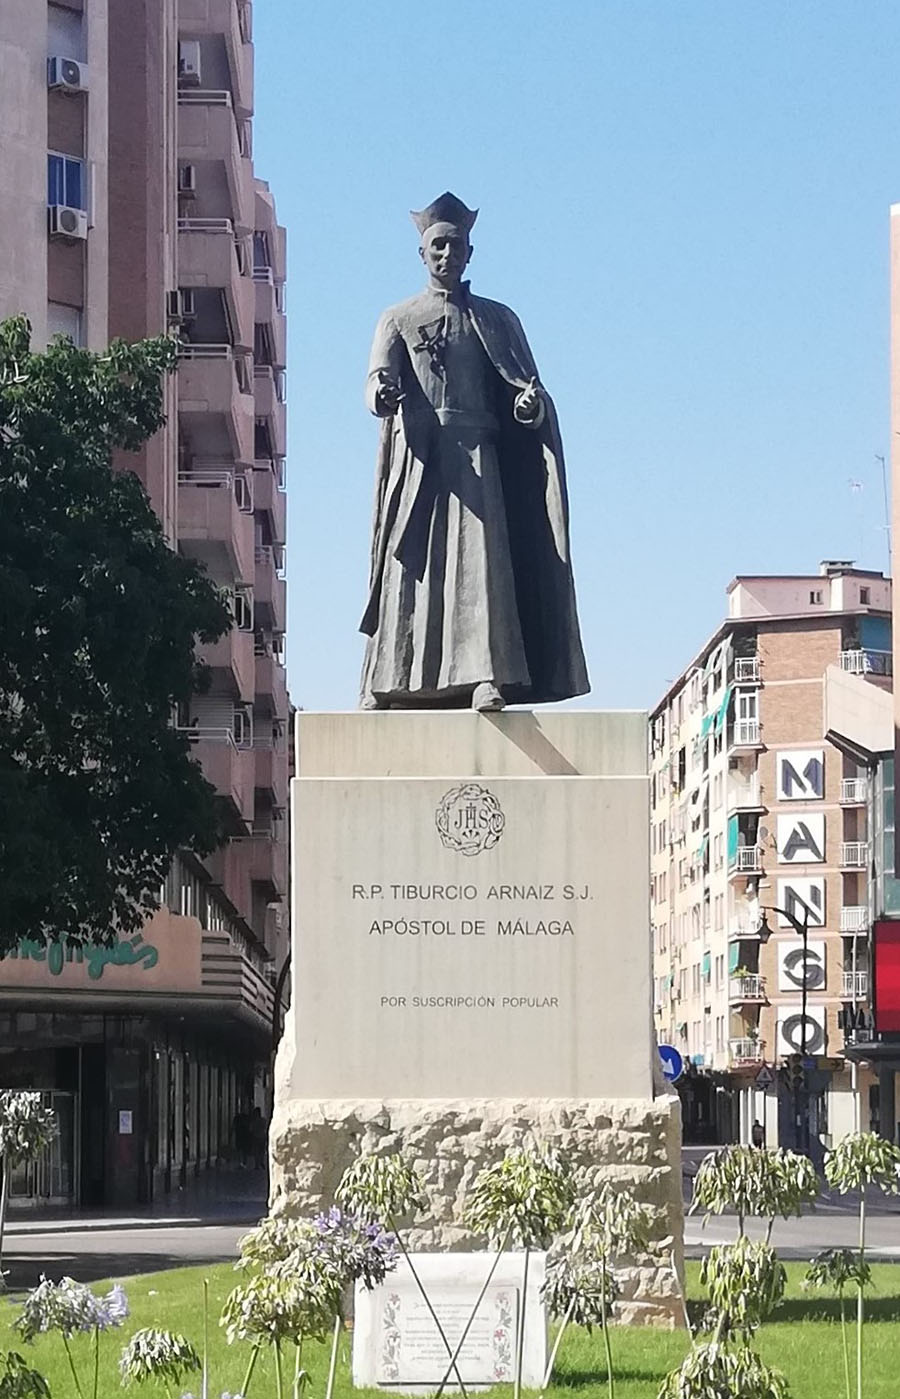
445, 209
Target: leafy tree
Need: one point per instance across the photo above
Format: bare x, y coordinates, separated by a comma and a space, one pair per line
859, 1160
98, 623
26, 1130
753, 1182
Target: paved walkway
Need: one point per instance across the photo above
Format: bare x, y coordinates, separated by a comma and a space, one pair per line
221, 1197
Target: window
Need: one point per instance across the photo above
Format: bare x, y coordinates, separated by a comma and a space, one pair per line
720, 970
65, 33
262, 258
64, 320
720, 1032
815, 596
719, 852
66, 183
695, 979
864, 595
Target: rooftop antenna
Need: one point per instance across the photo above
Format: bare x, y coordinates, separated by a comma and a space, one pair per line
887, 510
856, 489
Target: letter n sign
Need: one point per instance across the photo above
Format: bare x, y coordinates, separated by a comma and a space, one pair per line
801, 774
801, 838
805, 899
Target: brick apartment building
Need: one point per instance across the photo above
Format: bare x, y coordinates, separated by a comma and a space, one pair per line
131, 208
753, 807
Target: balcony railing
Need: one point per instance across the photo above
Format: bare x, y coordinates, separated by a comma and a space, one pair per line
746, 670
854, 918
745, 733
853, 791
744, 927
745, 1051
274, 556
743, 795
867, 662
751, 987
747, 860
854, 985
854, 854
222, 478
204, 97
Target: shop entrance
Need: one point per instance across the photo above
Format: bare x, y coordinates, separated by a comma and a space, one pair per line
53, 1178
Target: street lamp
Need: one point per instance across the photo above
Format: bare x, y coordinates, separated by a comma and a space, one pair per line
802, 930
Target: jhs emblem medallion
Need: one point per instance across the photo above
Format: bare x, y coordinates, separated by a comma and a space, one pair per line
469, 819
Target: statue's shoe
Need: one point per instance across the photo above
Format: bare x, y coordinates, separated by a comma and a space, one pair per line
372, 702
486, 697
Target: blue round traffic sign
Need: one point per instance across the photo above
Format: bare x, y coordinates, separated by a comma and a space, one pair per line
671, 1062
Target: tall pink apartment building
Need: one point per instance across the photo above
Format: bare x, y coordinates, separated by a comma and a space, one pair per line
131, 208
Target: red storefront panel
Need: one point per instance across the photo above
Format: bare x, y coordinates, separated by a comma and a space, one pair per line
887, 975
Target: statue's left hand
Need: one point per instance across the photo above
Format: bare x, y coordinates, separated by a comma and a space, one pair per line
529, 403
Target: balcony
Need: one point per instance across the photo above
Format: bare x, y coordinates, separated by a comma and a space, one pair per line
269, 404
854, 918
854, 985
745, 1052
268, 862
198, 19
208, 135
274, 233
744, 796
272, 770
215, 521
271, 684
269, 496
230, 769
268, 312
747, 860
867, 662
215, 402
746, 670
744, 989
207, 257
270, 588
745, 733
742, 927
232, 663
854, 791
854, 854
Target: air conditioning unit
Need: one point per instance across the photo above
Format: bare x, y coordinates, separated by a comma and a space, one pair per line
67, 74
67, 223
187, 180
180, 304
189, 63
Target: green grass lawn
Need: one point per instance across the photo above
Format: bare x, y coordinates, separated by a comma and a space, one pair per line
803, 1341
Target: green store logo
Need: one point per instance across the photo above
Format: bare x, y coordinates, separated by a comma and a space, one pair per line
58, 954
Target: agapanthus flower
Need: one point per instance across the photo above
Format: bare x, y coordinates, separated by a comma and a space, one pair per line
153, 1354
361, 1249
68, 1306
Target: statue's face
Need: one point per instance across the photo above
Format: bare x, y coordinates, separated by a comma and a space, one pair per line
445, 251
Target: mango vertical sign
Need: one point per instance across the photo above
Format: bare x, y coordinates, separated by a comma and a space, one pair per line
887, 976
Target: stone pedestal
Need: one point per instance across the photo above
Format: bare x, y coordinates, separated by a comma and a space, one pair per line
471, 962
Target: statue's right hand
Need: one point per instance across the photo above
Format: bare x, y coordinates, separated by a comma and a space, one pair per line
388, 397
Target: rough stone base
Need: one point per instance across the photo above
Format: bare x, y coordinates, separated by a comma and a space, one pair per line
637, 1142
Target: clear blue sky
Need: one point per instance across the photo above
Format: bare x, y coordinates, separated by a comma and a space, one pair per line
687, 205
